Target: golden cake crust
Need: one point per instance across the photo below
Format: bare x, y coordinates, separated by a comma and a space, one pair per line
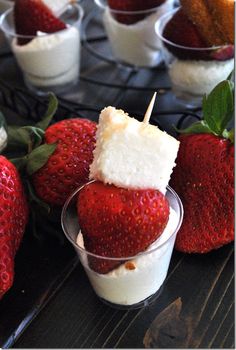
223, 14
213, 18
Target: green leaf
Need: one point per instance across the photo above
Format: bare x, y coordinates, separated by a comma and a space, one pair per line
52, 107
36, 134
196, 128
34, 198
39, 157
218, 107
229, 134
18, 137
230, 77
19, 162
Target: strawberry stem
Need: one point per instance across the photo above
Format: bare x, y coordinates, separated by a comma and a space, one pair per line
218, 111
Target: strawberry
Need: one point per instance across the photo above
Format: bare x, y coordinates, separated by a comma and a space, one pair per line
6, 264
13, 219
58, 156
181, 31
33, 15
132, 6
118, 222
224, 53
204, 176
68, 167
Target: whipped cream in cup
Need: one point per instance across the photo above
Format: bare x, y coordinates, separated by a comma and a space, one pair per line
49, 62
138, 280
193, 71
136, 43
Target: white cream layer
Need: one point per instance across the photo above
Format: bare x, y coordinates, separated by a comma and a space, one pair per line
3, 138
51, 59
199, 77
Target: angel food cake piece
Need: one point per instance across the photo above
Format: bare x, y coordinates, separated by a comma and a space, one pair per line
132, 154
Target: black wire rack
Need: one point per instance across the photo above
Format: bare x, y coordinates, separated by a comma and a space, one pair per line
32, 107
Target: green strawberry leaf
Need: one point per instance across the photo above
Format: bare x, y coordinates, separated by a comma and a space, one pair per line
229, 134
230, 77
36, 134
39, 157
52, 107
18, 137
196, 128
34, 198
218, 107
19, 162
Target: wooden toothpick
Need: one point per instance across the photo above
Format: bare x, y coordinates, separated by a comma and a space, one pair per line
149, 109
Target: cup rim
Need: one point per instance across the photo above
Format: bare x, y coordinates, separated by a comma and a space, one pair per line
147, 252
159, 34
104, 6
15, 35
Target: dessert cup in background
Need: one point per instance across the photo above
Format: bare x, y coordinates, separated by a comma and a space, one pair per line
131, 34
49, 62
193, 71
137, 281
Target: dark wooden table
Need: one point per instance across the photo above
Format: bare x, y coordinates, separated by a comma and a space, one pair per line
51, 304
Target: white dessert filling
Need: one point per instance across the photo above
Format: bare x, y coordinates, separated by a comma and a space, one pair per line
51, 59
199, 77
126, 287
137, 43
3, 138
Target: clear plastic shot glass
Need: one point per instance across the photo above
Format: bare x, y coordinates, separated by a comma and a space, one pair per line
193, 71
131, 34
137, 280
49, 62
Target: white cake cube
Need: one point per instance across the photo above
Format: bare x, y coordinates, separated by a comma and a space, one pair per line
132, 154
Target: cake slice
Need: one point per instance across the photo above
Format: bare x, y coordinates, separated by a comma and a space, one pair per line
132, 154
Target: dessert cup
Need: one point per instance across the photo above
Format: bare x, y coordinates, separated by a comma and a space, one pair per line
49, 62
193, 71
137, 280
132, 35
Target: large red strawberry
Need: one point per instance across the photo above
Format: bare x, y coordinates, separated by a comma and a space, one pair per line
132, 6
32, 16
204, 176
181, 32
13, 219
118, 222
6, 264
59, 155
68, 167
